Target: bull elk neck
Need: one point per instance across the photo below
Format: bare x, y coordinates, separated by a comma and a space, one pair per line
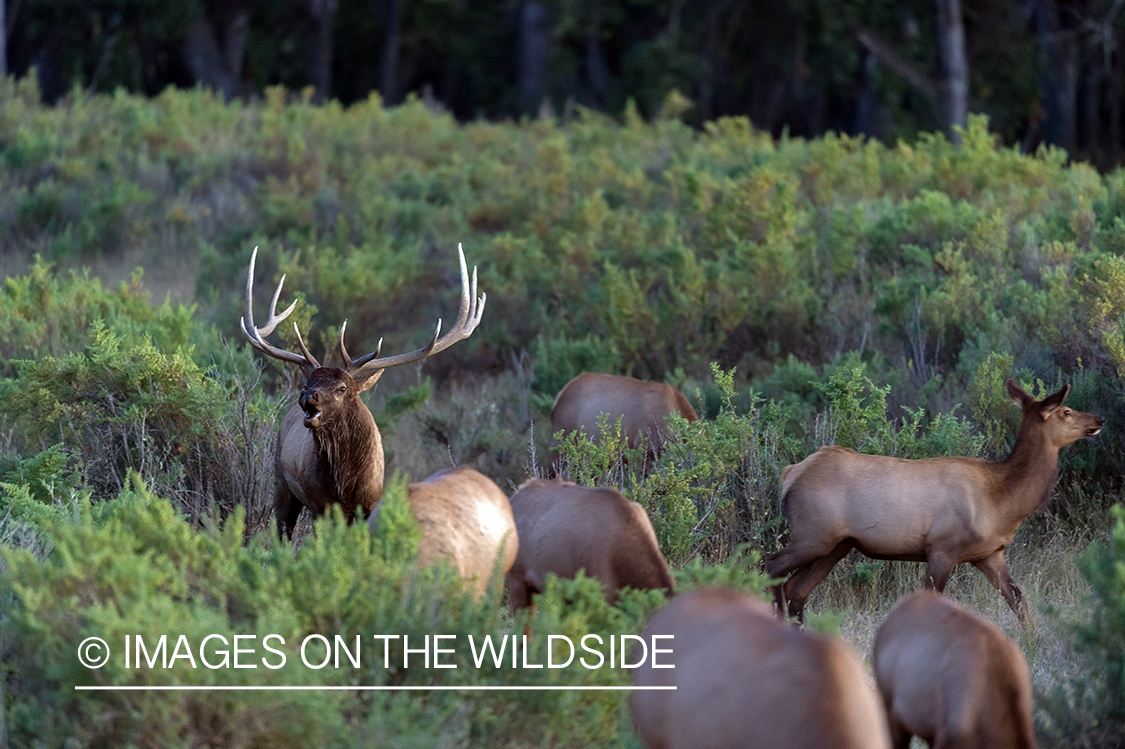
941, 511
329, 450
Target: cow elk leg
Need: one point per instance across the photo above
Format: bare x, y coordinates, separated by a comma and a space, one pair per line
798, 587
938, 569
995, 568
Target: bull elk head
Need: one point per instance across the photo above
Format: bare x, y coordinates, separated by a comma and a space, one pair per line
329, 448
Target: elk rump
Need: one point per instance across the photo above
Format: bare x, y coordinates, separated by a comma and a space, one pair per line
952, 678
743, 678
465, 518
564, 528
642, 407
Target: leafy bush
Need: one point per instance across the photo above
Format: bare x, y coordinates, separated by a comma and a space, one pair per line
1089, 711
118, 407
133, 566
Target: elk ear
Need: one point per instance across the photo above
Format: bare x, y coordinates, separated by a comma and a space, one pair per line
1018, 395
365, 384
1051, 403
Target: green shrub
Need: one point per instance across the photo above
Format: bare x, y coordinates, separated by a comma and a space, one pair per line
133, 566
116, 407
1089, 710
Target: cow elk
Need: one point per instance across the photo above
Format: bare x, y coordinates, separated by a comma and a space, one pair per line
564, 528
641, 406
951, 678
329, 450
941, 511
465, 518
744, 679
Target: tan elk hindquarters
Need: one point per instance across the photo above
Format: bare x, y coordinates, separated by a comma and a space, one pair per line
465, 518
941, 511
643, 408
564, 528
329, 451
952, 678
745, 679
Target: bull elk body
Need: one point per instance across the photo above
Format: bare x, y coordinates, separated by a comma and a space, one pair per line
941, 511
329, 448
641, 406
465, 518
564, 528
951, 678
745, 679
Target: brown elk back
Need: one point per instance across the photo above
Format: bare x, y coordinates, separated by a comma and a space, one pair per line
465, 518
744, 679
564, 528
642, 407
951, 677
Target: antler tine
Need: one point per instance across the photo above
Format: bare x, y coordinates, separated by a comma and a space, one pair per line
468, 318
256, 335
304, 349
348, 363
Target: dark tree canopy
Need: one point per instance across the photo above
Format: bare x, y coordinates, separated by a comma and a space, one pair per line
1043, 70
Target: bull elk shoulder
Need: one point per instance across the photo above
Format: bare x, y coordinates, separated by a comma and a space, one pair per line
941, 511
329, 450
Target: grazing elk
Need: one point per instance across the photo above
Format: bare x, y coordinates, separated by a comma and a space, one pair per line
744, 679
941, 511
328, 449
641, 406
564, 528
465, 518
951, 678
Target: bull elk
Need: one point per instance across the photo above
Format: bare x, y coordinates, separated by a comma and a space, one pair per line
329, 450
744, 679
951, 678
641, 406
564, 528
465, 518
941, 511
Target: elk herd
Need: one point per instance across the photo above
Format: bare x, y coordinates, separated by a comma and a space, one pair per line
743, 676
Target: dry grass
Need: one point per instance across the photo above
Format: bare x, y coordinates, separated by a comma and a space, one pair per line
483, 421
860, 597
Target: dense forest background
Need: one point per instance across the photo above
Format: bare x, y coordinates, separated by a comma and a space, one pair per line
1044, 71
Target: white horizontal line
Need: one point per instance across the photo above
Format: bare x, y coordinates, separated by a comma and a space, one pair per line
363, 689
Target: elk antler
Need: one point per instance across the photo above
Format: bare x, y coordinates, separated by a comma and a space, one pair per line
257, 335
468, 317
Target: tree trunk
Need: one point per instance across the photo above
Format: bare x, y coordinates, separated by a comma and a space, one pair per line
1113, 145
3, 72
389, 77
534, 52
597, 72
954, 65
215, 45
1059, 52
318, 46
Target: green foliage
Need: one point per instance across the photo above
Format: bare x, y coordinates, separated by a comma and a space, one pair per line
1089, 712
135, 567
90, 418
124, 407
